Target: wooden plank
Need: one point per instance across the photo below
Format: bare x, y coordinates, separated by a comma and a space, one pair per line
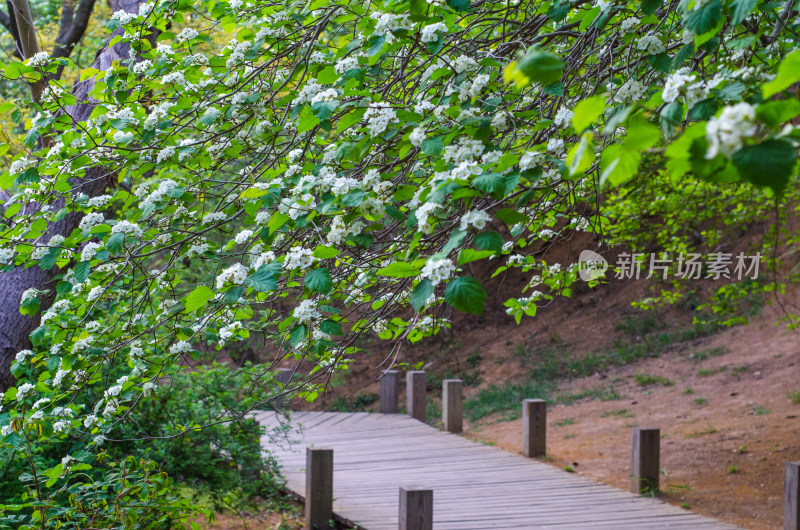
477, 487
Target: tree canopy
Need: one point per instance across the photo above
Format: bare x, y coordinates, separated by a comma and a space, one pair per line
310, 172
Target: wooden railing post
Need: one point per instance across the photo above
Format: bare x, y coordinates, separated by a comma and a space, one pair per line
452, 405
416, 509
645, 459
791, 492
534, 427
319, 488
390, 392
415, 394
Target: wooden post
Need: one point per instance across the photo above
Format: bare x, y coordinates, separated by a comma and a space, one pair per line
791, 492
452, 405
390, 392
534, 427
645, 459
416, 509
415, 394
319, 488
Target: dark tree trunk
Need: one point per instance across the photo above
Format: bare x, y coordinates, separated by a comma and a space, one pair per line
14, 327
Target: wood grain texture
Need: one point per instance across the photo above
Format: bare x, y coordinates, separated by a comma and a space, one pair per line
452, 405
415, 394
415, 509
534, 427
645, 459
319, 488
791, 490
390, 392
476, 487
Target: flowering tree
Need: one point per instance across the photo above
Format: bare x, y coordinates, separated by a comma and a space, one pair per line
333, 169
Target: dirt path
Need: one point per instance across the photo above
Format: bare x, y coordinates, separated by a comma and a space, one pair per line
728, 424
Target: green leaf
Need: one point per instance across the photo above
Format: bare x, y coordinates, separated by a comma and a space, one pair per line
319, 281
466, 294
297, 335
265, 278
649, 6
82, 270
459, 5
489, 241
420, 295
775, 113
618, 164
375, 44
307, 119
740, 9
327, 75
467, 255
702, 20
233, 294
777, 155
491, 183
323, 252
641, 134
788, 74
587, 112
114, 243
432, 147
399, 270
324, 109
581, 155
197, 298
511, 217
541, 67
276, 221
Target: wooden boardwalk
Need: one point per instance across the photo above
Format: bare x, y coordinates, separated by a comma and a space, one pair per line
474, 486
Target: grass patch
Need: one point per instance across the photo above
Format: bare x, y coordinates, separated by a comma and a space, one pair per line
619, 413
759, 410
688, 390
704, 432
564, 423
700, 401
648, 380
795, 397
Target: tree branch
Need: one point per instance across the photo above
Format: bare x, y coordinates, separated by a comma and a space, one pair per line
73, 26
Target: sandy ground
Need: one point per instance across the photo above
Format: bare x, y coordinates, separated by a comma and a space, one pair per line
728, 424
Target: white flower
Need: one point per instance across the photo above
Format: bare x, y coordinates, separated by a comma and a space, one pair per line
417, 136
464, 63
22, 354
346, 64
148, 388
61, 426
299, 258
632, 90
95, 293
429, 33
90, 250
650, 44
476, 218
126, 227
90, 220
438, 270
187, 34
23, 390
500, 121
89, 421
123, 16
235, 274
563, 117
165, 154
98, 202
555, 146
674, 83
175, 78
530, 159
243, 236
142, 66
213, 217
726, 133
306, 312
379, 115
181, 346
628, 24
38, 60
423, 213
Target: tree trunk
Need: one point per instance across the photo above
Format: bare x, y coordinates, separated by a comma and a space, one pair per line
14, 327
